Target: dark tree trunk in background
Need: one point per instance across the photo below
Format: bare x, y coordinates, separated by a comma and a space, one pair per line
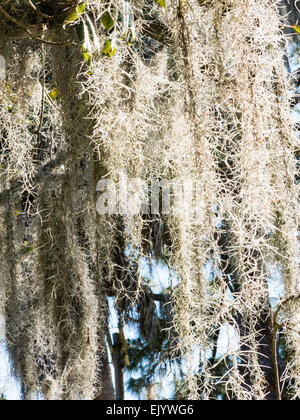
263, 325
107, 390
118, 367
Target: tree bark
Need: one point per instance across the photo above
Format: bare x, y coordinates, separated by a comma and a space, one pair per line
118, 366
107, 389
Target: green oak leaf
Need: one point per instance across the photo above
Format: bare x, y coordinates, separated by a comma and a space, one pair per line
107, 20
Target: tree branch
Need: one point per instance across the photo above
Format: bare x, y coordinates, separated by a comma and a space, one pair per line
157, 31
27, 30
37, 10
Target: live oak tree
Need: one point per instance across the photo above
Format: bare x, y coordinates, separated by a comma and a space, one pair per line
176, 90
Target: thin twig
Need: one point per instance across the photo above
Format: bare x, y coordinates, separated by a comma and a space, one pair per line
59, 4
37, 10
38, 130
26, 29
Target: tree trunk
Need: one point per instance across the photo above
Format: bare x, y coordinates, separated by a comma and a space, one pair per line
263, 324
118, 366
107, 389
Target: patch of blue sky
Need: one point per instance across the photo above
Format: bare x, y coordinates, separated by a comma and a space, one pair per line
294, 56
295, 113
9, 386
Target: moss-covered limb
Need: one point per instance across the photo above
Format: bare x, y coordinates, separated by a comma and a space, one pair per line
42, 175
124, 345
